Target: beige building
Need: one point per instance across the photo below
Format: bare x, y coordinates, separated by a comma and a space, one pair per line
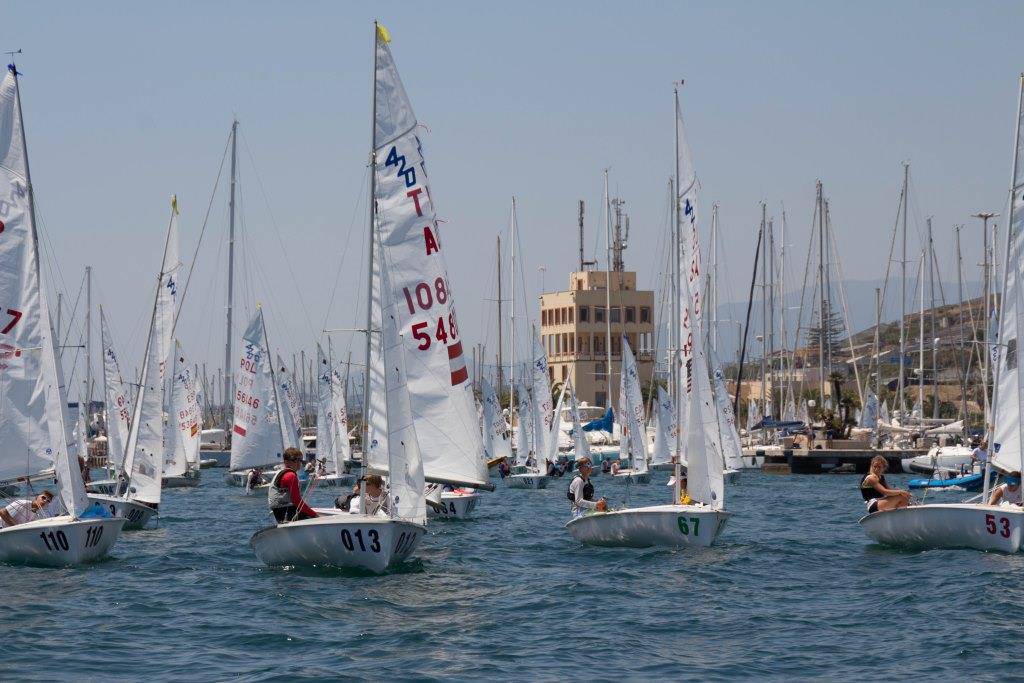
574, 328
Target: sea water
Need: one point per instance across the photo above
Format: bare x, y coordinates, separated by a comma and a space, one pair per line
792, 590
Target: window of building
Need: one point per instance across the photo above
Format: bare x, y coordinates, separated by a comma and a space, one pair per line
599, 370
616, 346
558, 343
600, 398
616, 314
645, 314
598, 345
598, 314
630, 314
565, 372
571, 310
584, 314
551, 373
582, 346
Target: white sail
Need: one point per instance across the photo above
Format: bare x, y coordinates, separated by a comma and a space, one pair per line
789, 410
1008, 441
167, 296
375, 453
495, 429
665, 433
256, 434
144, 448
342, 448
33, 427
290, 413
883, 413
81, 431
524, 426
116, 402
184, 420
439, 389
556, 426
631, 411
752, 414
579, 437
326, 425
728, 437
543, 412
703, 465
869, 416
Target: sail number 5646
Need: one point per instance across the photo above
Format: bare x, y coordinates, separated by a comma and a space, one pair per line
1003, 527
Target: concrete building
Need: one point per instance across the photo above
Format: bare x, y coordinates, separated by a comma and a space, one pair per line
574, 330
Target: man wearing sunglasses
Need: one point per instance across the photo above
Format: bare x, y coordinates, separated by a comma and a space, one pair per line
21, 511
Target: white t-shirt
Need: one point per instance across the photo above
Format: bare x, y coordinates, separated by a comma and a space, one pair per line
980, 454
1011, 496
20, 511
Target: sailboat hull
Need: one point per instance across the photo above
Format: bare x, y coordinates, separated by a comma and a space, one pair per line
454, 505
59, 541
526, 481
624, 476
189, 479
104, 486
136, 515
333, 481
658, 525
946, 526
338, 540
239, 478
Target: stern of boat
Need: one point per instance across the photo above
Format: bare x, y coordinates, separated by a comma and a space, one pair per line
59, 541
655, 526
948, 526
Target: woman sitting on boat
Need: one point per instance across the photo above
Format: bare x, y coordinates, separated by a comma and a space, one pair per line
1008, 492
878, 495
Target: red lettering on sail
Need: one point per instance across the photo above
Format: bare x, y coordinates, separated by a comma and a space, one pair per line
429, 240
415, 194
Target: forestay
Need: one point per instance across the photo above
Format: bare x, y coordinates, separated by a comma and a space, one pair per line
631, 411
33, 427
256, 434
185, 419
1009, 396
495, 429
115, 399
440, 393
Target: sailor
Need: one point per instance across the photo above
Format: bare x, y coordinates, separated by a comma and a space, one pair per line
1008, 492
373, 499
24, 510
980, 454
283, 494
875, 492
581, 491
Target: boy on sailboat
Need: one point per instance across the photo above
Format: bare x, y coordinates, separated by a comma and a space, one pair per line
1008, 492
283, 494
581, 491
21, 511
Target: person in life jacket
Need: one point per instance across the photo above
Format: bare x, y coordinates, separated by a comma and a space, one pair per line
581, 491
1008, 492
283, 494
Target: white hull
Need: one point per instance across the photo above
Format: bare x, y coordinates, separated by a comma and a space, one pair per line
455, 506
105, 486
953, 525
240, 477
942, 457
624, 476
333, 481
658, 525
526, 481
340, 540
136, 515
58, 541
207, 463
190, 478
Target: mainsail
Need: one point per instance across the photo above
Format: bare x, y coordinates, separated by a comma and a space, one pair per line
665, 432
579, 437
256, 435
290, 413
495, 429
727, 436
543, 415
115, 398
524, 426
185, 419
1009, 394
631, 411
32, 396
440, 393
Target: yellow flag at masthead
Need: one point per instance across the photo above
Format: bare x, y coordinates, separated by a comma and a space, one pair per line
383, 34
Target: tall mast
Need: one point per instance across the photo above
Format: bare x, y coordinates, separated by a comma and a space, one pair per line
88, 340
711, 300
228, 336
920, 340
822, 331
903, 286
878, 359
935, 342
608, 285
371, 243
512, 323
771, 317
960, 298
676, 334
764, 310
499, 378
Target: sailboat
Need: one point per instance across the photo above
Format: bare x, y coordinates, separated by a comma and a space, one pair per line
141, 478
331, 425
524, 475
727, 438
980, 526
580, 445
674, 524
184, 423
258, 435
631, 416
116, 405
33, 426
494, 429
531, 470
665, 432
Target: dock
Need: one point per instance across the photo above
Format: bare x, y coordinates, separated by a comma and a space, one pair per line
834, 460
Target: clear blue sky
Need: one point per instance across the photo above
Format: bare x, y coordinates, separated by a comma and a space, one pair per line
127, 103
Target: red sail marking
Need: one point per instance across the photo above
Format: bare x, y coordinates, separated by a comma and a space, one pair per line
240, 430
457, 364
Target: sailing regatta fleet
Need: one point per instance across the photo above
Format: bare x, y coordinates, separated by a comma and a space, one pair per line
434, 436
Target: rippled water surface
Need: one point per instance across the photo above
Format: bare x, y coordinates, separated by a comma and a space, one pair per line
792, 590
